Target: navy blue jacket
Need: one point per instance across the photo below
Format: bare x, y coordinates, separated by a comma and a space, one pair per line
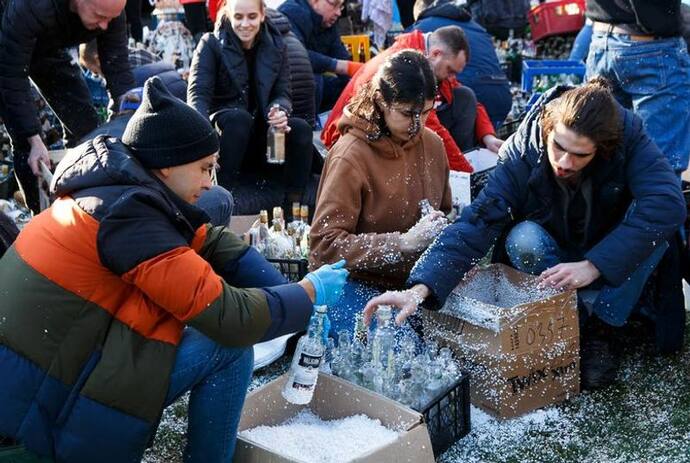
522, 187
324, 45
483, 61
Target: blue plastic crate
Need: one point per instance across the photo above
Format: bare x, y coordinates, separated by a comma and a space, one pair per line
99, 94
534, 68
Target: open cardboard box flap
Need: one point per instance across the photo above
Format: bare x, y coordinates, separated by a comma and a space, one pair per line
334, 398
240, 224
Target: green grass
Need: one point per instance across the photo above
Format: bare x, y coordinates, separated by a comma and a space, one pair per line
644, 417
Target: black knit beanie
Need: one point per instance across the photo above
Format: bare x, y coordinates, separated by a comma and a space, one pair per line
165, 132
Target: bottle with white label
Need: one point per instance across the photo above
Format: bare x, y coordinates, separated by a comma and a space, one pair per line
304, 370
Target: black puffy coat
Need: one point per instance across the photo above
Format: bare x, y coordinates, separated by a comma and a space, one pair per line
301, 73
219, 76
33, 29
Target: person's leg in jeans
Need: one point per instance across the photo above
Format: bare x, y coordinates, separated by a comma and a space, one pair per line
298, 159
218, 378
460, 116
653, 78
236, 128
531, 249
580, 48
218, 203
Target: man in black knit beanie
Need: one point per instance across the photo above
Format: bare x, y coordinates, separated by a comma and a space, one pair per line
142, 298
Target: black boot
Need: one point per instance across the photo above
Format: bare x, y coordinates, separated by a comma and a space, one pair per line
599, 359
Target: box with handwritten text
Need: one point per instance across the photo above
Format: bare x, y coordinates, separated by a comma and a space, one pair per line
520, 342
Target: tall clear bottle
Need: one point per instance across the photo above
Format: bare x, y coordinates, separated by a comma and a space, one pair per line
384, 337
275, 143
304, 370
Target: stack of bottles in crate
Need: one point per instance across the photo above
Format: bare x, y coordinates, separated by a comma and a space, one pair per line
282, 240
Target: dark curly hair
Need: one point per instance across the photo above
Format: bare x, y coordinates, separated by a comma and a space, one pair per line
404, 78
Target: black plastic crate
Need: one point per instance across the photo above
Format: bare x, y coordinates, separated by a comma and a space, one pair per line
293, 269
448, 416
508, 128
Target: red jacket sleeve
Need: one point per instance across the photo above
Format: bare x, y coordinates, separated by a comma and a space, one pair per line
456, 160
483, 125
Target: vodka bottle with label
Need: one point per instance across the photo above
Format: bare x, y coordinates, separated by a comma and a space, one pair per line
304, 369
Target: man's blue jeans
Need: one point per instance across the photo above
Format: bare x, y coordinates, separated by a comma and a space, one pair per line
218, 203
653, 79
532, 249
218, 378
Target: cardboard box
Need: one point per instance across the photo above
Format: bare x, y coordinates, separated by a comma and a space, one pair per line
334, 398
522, 356
240, 224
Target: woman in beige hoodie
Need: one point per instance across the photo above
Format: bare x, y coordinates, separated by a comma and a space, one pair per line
376, 175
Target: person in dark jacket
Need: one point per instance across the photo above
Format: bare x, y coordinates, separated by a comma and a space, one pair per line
639, 47
240, 80
121, 297
314, 24
482, 73
34, 38
587, 202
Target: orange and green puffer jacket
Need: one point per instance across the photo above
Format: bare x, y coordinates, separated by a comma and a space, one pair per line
95, 294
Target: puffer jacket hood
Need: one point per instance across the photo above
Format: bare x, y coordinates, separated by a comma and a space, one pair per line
454, 10
105, 163
100, 162
384, 146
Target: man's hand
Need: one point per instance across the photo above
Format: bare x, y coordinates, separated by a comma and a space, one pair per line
572, 275
38, 152
278, 119
492, 143
407, 301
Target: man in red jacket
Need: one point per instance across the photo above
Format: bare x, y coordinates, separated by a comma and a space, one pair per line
456, 111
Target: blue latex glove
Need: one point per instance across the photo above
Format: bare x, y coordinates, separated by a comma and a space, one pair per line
328, 281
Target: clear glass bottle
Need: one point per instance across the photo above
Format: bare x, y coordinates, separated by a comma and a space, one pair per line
360, 333
304, 370
384, 336
275, 144
261, 236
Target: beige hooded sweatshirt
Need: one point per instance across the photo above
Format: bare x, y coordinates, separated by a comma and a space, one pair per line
369, 195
